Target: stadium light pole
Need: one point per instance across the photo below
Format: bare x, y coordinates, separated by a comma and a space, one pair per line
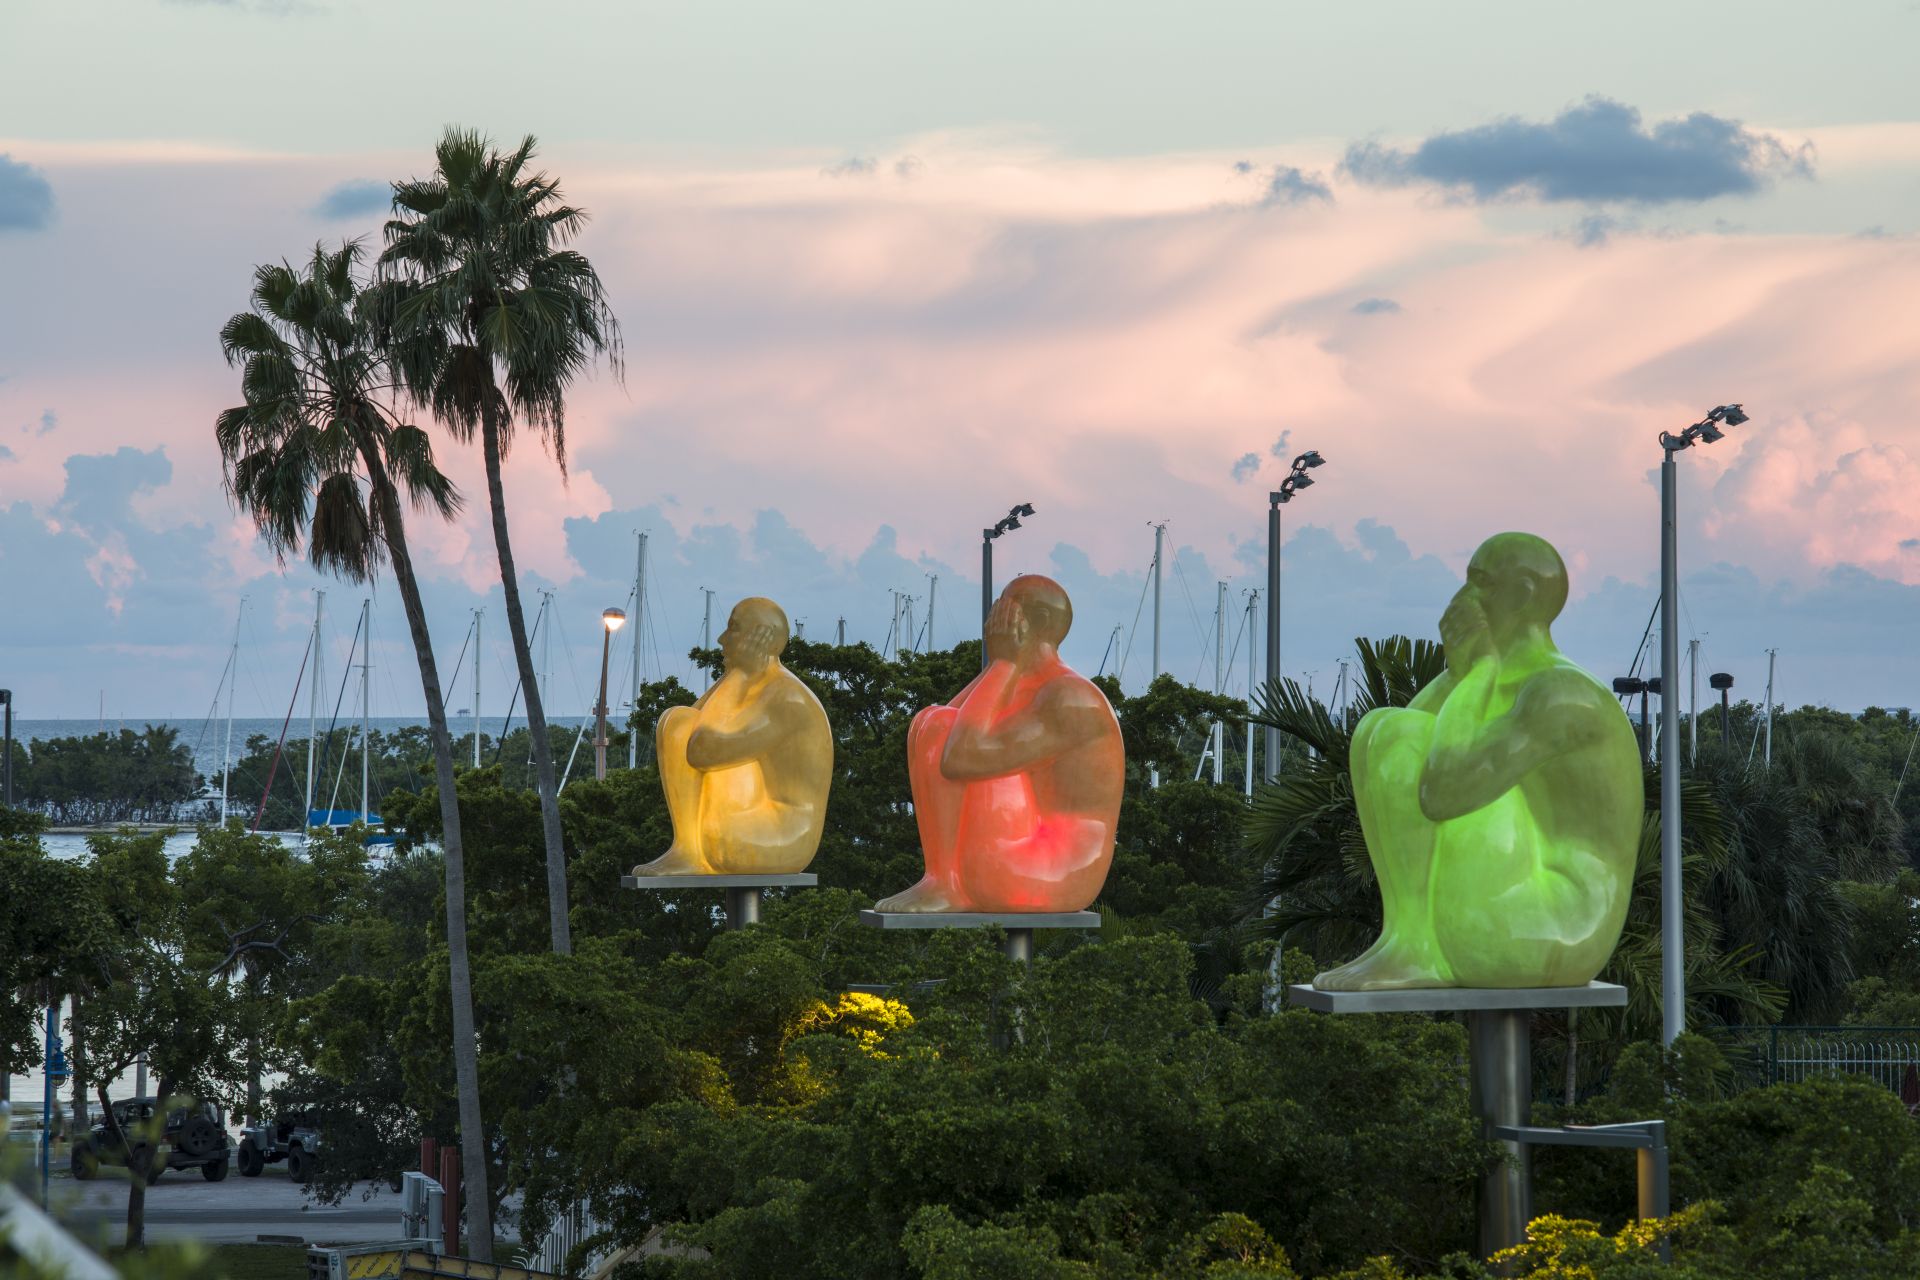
1673, 977
1007, 524
610, 621
1297, 479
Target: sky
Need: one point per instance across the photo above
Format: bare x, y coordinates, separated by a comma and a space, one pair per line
884, 271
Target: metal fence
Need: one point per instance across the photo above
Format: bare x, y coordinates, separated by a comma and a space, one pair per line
567, 1231
1888, 1056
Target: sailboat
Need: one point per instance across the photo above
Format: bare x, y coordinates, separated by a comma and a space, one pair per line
331, 818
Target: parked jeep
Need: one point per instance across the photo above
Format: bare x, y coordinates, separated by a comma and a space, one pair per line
292, 1138
193, 1137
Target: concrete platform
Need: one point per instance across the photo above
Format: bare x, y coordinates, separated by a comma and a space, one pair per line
790, 880
1458, 999
975, 919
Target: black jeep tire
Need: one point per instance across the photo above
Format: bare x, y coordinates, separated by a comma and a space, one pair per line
199, 1137
251, 1161
214, 1171
299, 1165
84, 1163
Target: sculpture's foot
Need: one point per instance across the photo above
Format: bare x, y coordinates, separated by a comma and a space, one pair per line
1393, 967
928, 895
674, 862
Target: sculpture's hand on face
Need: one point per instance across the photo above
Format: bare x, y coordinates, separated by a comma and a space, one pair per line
1465, 631
763, 643
1007, 629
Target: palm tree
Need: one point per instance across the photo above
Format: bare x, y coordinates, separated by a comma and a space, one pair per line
493, 317
318, 454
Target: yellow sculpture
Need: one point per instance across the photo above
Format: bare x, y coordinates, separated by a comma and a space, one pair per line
747, 767
1016, 782
1502, 808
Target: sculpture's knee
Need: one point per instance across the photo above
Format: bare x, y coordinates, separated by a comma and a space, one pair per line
673, 729
1386, 737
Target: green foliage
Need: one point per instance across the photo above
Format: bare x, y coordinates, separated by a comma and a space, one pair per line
123, 776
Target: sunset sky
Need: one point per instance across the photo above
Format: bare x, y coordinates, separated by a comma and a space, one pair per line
886, 269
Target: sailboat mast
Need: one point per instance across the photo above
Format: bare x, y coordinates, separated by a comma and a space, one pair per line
639, 618
477, 615
313, 709
366, 668
233, 679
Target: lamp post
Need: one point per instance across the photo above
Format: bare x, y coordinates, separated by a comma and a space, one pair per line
1723, 682
1626, 687
1007, 524
610, 621
1673, 979
1297, 479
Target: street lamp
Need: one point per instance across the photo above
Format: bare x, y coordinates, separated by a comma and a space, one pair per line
1723, 682
1626, 687
612, 620
1007, 524
1297, 479
1673, 984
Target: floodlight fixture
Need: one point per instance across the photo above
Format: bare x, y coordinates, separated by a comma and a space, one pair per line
613, 619
1311, 458
1628, 685
1720, 680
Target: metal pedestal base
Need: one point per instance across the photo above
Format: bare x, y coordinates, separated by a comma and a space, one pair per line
744, 893
1500, 1093
1019, 925
1500, 1076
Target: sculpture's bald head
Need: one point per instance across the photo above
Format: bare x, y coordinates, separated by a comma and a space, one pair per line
1520, 578
1044, 603
756, 633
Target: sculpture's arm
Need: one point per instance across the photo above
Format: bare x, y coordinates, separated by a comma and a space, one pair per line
1476, 757
1060, 718
751, 736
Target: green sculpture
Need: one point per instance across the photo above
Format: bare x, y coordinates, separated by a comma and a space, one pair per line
1502, 808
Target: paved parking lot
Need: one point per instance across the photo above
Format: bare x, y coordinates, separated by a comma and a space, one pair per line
185, 1206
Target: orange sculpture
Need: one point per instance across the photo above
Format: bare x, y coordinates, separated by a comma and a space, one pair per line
1016, 782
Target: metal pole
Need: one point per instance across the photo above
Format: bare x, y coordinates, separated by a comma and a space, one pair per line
313, 709
1272, 735
1693, 700
600, 708
1672, 944
1019, 946
706, 633
478, 614
1768, 757
46, 1116
986, 590
639, 617
233, 677
1726, 722
1500, 1092
840, 634
6, 767
1219, 678
1159, 540
1252, 598
366, 705
743, 907
933, 588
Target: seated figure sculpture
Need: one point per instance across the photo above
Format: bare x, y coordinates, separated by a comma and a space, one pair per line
746, 768
1016, 782
1502, 808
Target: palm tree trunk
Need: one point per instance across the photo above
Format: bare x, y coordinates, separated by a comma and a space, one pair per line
466, 1047
530, 686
